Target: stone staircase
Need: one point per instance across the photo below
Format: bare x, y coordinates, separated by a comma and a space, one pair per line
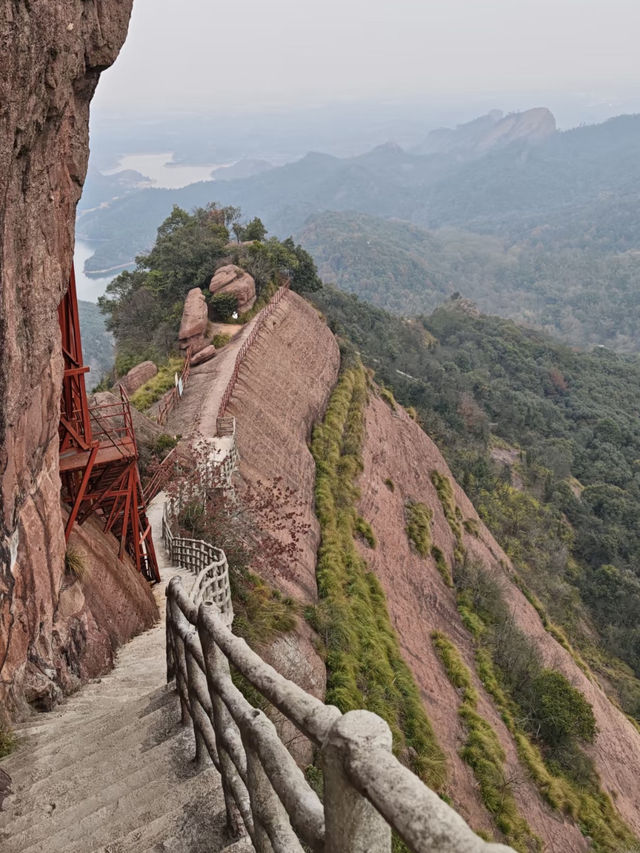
112, 769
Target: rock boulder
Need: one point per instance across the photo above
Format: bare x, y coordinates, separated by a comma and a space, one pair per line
138, 375
204, 355
194, 321
234, 280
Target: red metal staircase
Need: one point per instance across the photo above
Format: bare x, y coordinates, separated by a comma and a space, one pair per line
99, 455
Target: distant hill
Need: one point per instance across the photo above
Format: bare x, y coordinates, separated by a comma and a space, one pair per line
568, 181
587, 294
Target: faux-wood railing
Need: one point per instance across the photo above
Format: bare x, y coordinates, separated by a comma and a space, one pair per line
367, 791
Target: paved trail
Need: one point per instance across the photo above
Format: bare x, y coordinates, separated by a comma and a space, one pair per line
111, 770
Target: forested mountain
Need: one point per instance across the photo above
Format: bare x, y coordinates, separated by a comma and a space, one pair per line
587, 295
546, 442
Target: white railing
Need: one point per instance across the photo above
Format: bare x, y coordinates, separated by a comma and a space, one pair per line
205, 561
367, 791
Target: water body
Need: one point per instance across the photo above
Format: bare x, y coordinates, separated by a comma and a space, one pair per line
161, 169
88, 288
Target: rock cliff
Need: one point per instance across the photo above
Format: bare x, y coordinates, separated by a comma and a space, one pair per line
53, 53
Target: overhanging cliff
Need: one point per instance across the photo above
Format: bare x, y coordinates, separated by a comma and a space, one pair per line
53, 53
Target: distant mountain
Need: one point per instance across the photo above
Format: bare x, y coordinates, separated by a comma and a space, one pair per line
241, 169
515, 188
101, 189
494, 130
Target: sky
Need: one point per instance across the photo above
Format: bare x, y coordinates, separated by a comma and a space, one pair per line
198, 54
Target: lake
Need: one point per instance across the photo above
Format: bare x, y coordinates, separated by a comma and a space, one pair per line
163, 172
88, 288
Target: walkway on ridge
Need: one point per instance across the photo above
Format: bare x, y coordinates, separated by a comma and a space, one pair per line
110, 770
197, 409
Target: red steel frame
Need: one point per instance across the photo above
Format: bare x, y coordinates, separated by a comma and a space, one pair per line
99, 454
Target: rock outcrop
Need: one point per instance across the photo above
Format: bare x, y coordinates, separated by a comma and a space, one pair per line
493, 130
52, 56
236, 282
137, 376
194, 321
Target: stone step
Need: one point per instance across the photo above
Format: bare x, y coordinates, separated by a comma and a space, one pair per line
123, 807
71, 781
124, 729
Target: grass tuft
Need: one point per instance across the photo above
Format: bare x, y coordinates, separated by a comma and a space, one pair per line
75, 562
8, 741
418, 526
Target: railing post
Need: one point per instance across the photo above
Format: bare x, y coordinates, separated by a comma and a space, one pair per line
217, 667
198, 714
352, 824
180, 664
171, 665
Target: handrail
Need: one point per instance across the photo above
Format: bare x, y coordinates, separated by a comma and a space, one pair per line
266, 312
154, 486
205, 561
367, 791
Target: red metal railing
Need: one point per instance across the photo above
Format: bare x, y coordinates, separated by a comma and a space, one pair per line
172, 398
156, 483
266, 312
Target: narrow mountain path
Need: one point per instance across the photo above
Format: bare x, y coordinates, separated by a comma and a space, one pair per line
198, 407
111, 769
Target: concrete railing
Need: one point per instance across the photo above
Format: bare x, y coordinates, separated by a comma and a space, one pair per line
367, 791
205, 561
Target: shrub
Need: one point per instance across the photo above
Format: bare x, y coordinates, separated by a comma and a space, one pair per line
559, 711
390, 484
222, 306
153, 390
220, 340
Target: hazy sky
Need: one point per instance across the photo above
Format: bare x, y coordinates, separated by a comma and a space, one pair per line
195, 53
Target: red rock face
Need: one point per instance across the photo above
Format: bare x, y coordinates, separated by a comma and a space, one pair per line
53, 52
194, 321
419, 602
